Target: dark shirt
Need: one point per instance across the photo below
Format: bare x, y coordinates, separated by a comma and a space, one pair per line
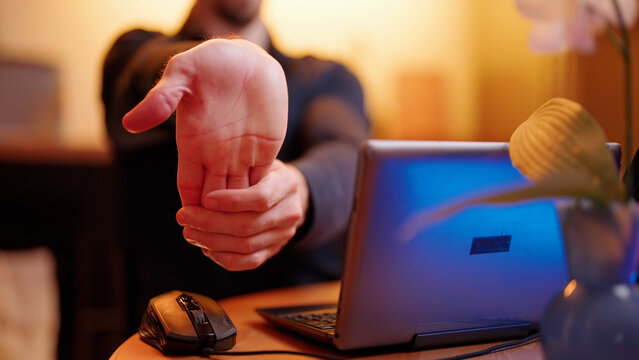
326, 125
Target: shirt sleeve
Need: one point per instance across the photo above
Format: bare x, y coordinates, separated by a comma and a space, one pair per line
333, 128
131, 68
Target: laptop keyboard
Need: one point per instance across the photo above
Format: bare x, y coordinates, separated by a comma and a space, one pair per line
324, 320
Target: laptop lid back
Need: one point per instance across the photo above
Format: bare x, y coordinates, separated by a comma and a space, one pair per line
488, 263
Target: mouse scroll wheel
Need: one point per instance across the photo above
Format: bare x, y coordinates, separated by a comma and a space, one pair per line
188, 303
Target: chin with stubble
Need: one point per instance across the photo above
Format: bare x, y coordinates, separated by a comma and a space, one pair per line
237, 12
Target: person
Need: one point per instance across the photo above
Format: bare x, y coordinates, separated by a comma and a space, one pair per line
282, 226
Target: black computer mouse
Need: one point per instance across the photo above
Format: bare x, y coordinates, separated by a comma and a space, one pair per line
179, 322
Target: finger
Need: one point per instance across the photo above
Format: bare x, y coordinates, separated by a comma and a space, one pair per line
260, 197
189, 181
236, 224
241, 245
237, 182
158, 105
240, 162
212, 182
206, 253
241, 262
257, 173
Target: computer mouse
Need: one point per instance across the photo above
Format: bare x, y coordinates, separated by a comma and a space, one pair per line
185, 323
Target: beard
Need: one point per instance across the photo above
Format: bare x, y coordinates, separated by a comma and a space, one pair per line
238, 12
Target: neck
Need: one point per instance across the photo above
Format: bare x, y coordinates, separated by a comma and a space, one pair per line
203, 23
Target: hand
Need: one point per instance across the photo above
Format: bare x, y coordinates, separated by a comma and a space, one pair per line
232, 104
241, 229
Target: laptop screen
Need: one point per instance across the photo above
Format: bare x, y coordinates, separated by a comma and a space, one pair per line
486, 262
413, 185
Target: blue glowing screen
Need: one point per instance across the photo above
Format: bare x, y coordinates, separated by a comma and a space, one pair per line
440, 260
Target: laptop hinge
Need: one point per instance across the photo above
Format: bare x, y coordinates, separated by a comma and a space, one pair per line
495, 331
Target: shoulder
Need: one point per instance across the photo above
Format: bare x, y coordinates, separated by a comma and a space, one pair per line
121, 52
328, 77
318, 75
313, 68
128, 43
135, 37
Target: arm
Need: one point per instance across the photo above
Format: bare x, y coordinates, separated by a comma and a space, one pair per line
334, 125
231, 106
240, 229
276, 212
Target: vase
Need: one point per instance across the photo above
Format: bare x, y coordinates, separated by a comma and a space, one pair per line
596, 316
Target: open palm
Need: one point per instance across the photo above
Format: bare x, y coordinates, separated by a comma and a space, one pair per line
231, 101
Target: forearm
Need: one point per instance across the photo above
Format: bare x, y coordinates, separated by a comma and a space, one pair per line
333, 129
329, 170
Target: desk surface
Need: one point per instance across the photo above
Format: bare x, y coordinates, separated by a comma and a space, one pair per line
254, 333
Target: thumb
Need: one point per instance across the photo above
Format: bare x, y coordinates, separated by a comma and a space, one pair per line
158, 105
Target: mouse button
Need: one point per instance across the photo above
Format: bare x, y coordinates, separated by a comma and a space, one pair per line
175, 322
151, 331
224, 343
221, 323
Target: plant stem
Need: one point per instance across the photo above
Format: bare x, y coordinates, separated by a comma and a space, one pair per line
624, 49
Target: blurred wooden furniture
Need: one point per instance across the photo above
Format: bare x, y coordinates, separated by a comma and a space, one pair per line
65, 198
254, 333
29, 316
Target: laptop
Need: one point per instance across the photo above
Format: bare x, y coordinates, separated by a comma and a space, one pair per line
484, 273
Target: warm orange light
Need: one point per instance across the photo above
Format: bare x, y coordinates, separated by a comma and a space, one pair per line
572, 285
468, 62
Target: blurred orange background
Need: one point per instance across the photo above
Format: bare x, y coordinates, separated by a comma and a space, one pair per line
431, 69
455, 69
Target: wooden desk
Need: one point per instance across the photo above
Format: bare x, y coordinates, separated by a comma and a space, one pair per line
254, 333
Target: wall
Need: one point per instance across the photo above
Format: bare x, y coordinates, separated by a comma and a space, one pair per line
424, 45
511, 80
598, 86
455, 69
74, 35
